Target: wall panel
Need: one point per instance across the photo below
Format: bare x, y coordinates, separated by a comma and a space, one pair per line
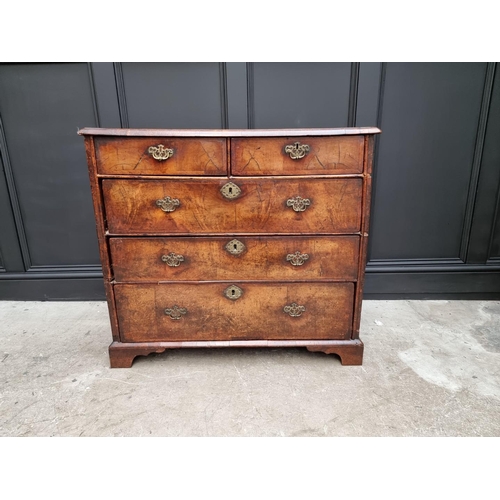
429, 122
173, 95
42, 106
299, 95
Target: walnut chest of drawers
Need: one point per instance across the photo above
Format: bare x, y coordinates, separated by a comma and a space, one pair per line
222, 238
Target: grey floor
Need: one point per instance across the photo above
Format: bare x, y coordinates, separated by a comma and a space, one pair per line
431, 368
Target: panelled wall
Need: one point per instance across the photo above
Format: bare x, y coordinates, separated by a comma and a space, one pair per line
435, 228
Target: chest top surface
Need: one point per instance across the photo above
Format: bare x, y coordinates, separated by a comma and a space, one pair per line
290, 132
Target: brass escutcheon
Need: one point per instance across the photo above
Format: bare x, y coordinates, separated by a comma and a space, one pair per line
297, 258
168, 204
235, 247
297, 150
230, 190
172, 259
294, 310
160, 152
233, 292
175, 312
298, 204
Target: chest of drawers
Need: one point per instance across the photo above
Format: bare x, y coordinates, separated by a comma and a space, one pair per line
222, 238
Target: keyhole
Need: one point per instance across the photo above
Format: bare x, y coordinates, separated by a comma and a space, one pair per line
232, 292
235, 246
230, 190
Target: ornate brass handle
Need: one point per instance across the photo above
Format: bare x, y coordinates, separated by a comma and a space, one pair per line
160, 152
294, 310
298, 204
297, 258
168, 204
172, 259
297, 150
175, 312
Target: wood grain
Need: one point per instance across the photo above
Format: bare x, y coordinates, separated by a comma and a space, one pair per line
206, 259
97, 202
261, 208
326, 156
257, 314
117, 156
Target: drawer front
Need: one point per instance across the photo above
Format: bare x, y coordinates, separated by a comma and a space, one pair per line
227, 258
297, 206
161, 156
297, 155
181, 312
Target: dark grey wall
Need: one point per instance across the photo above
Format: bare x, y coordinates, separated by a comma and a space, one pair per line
430, 114
435, 228
299, 95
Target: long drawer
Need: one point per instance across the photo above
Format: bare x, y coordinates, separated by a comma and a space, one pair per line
250, 205
234, 311
279, 258
165, 156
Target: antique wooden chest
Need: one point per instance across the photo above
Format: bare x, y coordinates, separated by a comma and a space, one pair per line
222, 238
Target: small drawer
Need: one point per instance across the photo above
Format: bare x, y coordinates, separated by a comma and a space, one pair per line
297, 155
234, 311
263, 258
296, 206
161, 156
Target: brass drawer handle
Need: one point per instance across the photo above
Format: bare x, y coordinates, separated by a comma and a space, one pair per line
230, 190
172, 259
175, 312
168, 204
294, 310
160, 152
235, 247
297, 258
233, 292
297, 150
298, 204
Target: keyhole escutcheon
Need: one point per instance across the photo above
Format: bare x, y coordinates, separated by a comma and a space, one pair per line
233, 292
230, 191
235, 247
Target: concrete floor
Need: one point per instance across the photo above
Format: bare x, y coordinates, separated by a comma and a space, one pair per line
431, 368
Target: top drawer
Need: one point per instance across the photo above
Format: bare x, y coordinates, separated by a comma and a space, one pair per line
297, 155
161, 156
